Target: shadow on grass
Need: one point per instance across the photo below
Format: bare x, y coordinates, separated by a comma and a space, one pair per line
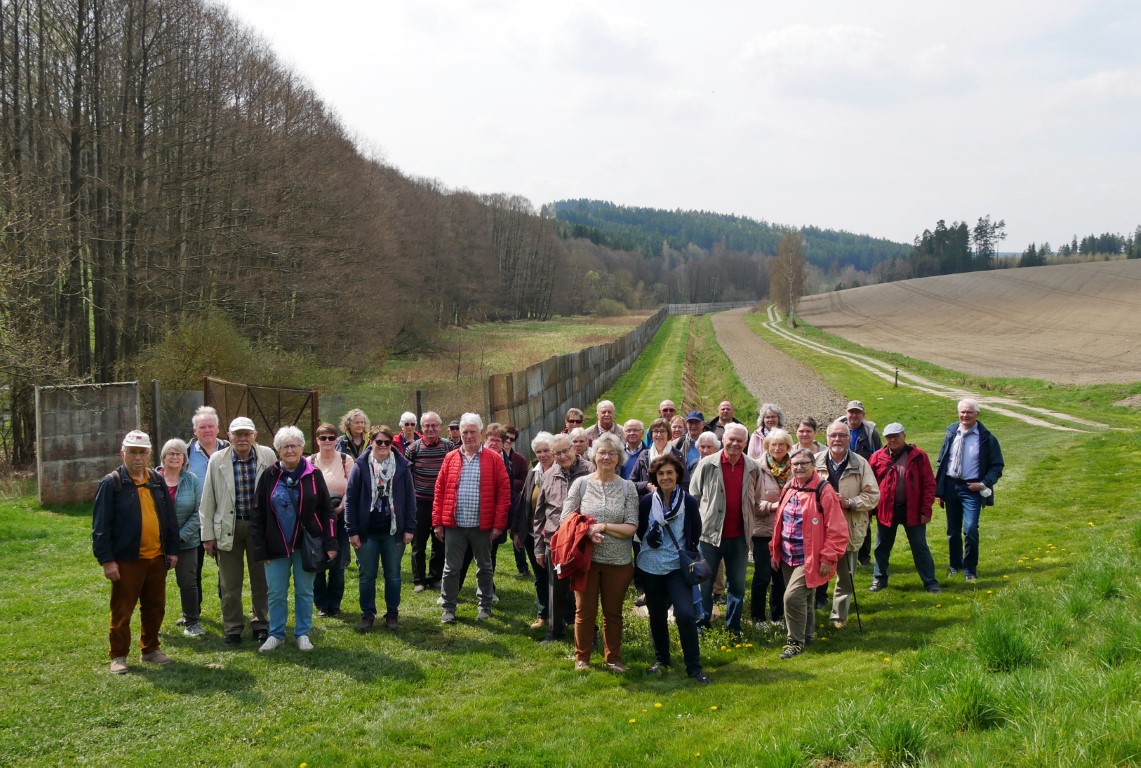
191, 679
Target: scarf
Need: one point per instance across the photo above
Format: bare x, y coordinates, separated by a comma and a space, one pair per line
781, 471
383, 472
658, 512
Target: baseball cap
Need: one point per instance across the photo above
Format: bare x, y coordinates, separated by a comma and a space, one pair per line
694, 416
137, 438
854, 405
895, 428
243, 422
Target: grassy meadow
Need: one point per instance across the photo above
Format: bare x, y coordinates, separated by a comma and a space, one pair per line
1036, 664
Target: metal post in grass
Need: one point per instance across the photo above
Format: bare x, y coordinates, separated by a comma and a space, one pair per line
855, 603
897, 378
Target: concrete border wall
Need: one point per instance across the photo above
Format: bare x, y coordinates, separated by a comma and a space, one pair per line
79, 430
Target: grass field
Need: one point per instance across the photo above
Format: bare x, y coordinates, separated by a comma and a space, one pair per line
1037, 664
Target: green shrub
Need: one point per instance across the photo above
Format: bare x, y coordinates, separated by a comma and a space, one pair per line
610, 308
1002, 646
1102, 573
972, 705
898, 741
784, 755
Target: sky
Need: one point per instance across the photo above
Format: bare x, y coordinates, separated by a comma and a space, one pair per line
875, 117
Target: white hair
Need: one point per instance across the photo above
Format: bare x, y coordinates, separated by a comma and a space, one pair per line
285, 433
778, 435
775, 409
838, 423
429, 414
543, 438
708, 437
634, 423
604, 440
177, 445
202, 412
407, 416
470, 419
603, 404
576, 432
735, 427
970, 403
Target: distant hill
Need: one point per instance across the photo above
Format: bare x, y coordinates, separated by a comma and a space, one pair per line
631, 228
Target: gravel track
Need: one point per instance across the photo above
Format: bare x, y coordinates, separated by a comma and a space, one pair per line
774, 377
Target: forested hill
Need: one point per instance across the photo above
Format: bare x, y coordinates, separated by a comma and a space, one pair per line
631, 228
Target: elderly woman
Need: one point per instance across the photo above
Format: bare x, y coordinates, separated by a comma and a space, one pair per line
806, 435
523, 520
329, 585
580, 441
407, 434
660, 445
291, 500
380, 518
810, 536
855, 482
354, 437
775, 473
772, 417
677, 427
185, 489
668, 518
613, 504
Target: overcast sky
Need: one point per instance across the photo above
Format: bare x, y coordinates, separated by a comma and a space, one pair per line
876, 117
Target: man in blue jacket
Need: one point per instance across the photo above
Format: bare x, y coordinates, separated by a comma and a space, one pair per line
134, 536
970, 463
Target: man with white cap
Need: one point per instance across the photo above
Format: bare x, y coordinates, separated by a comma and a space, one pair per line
227, 500
134, 536
863, 440
907, 491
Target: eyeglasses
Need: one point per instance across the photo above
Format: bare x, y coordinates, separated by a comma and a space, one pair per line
574, 421
291, 447
509, 439
802, 463
382, 442
408, 424
326, 438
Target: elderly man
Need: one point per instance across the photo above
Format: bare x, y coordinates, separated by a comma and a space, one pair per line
605, 423
426, 456
454, 434
134, 536
469, 509
666, 410
907, 491
864, 440
851, 477
687, 443
227, 501
553, 490
725, 413
574, 419
205, 444
727, 486
632, 432
970, 463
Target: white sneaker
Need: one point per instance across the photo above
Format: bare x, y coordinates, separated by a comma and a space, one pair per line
194, 630
304, 644
271, 644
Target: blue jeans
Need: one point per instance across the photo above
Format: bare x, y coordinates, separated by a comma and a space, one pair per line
384, 550
735, 553
920, 552
963, 507
277, 572
329, 586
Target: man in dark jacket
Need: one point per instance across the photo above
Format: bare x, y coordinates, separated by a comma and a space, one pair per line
970, 463
134, 536
907, 491
863, 440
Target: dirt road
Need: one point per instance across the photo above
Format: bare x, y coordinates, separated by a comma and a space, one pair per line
774, 377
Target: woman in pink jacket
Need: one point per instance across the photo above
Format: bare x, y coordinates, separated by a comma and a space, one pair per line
810, 536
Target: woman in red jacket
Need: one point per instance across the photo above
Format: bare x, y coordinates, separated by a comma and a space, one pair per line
810, 536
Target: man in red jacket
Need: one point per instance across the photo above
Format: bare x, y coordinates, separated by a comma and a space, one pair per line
907, 491
469, 509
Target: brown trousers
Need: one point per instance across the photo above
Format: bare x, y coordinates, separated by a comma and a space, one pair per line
610, 582
142, 583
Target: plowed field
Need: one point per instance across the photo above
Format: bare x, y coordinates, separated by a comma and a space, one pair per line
1069, 324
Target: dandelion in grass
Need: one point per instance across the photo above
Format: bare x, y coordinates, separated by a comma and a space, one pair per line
724, 647
738, 645
748, 645
990, 591
657, 705
887, 659
632, 721
713, 708
1005, 576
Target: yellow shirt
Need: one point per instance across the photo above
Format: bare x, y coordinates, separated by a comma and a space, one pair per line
150, 543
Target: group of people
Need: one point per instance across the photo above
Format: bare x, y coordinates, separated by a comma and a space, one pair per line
598, 509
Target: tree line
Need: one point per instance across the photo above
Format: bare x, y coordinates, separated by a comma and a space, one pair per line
1091, 246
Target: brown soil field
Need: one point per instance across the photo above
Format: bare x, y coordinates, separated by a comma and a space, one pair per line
1067, 324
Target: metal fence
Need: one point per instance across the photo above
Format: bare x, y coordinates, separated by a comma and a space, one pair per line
704, 309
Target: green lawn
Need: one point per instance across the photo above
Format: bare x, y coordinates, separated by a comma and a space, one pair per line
1037, 664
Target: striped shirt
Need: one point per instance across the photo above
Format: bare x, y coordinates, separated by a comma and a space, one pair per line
245, 480
467, 499
426, 462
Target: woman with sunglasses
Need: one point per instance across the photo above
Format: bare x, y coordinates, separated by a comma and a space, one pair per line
668, 518
407, 434
380, 518
329, 585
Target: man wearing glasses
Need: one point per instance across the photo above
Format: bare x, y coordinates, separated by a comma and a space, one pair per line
227, 501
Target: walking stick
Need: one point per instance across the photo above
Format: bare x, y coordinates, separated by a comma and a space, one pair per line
855, 603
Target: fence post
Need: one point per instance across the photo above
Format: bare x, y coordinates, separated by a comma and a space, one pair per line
155, 412
419, 405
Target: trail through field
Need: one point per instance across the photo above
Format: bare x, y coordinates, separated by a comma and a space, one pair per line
774, 377
1039, 417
